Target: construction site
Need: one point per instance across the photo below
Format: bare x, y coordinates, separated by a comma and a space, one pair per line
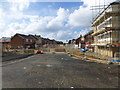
107, 30
103, 41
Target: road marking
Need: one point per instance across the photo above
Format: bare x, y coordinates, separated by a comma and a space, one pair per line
98, 79
49, 65
24, 67
38, 65
71, 87
39, 82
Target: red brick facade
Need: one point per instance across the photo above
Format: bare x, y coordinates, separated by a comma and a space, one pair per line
22, 41
31, 41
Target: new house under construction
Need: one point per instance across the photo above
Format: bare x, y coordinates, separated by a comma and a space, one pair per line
106, 31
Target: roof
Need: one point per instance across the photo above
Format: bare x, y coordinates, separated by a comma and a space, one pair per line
115, 3
24, 36
35, 37
5, 39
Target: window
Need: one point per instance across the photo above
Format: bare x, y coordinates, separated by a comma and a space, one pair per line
30, 40
26, 40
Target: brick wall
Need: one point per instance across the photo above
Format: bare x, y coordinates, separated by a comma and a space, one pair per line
16, 41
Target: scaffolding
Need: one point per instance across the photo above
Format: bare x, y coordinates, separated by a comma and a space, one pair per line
97, 10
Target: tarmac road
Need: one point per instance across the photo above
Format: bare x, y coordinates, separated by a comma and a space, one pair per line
58, 71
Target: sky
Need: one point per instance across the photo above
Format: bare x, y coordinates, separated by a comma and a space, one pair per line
55, 19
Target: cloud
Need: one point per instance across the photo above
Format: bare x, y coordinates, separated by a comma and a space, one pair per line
61, 26
84, 31
15, 8
19, 4
58, 22
14, 28
80, 17
91, 3
52, 26
63, 35
1, 12
35, 27
2, 25
47, 23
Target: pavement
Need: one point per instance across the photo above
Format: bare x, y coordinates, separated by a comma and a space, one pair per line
58, 71
87, 57
15, 56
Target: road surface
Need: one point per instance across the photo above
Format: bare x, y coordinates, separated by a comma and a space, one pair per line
58, 71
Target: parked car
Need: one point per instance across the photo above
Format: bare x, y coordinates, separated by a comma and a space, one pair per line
39, 52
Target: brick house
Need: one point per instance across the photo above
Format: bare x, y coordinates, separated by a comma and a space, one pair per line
89, 40
78, 41
46, 42
24, 41
37, 39
5, 43
31, 41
